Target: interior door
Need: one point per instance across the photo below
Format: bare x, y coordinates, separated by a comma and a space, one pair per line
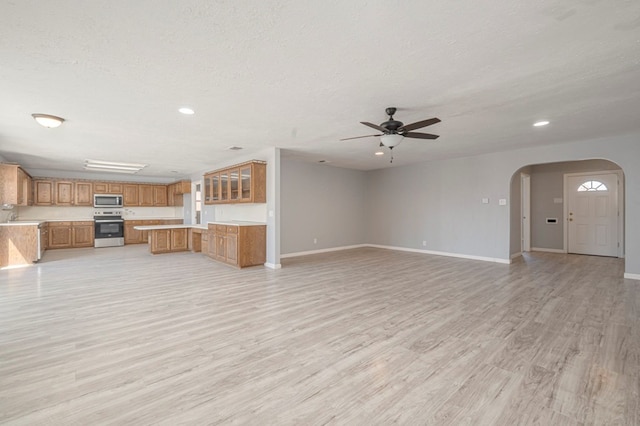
593, 214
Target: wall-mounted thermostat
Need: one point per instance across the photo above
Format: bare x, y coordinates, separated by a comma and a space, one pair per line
552, 220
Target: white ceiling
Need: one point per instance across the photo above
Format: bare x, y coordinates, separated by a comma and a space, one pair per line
300, 75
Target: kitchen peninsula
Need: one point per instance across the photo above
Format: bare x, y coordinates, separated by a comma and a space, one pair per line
237, 243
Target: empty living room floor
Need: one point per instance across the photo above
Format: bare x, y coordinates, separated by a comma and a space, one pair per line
364, 336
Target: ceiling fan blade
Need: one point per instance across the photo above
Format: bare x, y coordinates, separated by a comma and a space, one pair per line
416, 135
418, 124
374, 126
358, 137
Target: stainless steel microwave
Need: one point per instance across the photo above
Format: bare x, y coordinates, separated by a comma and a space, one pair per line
107, 200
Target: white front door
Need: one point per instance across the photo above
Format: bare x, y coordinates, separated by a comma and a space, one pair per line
593, 214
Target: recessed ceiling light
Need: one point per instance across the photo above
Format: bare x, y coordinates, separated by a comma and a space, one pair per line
186, 111
379, 153
234, 148
540, 123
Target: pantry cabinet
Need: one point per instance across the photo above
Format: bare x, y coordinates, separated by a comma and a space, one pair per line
242, 183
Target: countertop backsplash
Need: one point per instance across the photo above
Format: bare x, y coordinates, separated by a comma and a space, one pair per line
81, 213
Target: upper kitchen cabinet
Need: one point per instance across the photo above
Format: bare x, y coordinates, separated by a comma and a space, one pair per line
15, 186
145, 195
50, 192
115, 188
130, 194
159, 195
243, 183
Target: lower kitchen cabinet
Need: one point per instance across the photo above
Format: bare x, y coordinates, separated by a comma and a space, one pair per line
168, 240
71, 234
237, 245
82, 234
59, 235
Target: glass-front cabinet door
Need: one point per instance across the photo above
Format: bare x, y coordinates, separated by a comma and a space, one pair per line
224, 186
245, 182
215, 188
207, 189
234, 185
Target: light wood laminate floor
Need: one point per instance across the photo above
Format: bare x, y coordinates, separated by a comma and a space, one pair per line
365, 336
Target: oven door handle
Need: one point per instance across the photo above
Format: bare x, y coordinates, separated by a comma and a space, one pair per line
109, 221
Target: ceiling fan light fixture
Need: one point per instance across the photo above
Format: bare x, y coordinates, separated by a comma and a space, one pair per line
391, 140
47, 120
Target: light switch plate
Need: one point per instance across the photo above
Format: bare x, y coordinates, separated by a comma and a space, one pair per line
502, 201
557, 201
485, 201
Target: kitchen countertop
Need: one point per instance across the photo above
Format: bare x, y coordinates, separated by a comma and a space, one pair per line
178, 226
236, 223
150, 218
23, 223
157, 227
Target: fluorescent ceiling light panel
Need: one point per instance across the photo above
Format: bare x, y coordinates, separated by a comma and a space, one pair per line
540, 123
110, 166
131, 172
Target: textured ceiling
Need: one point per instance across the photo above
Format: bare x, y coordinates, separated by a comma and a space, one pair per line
300, 75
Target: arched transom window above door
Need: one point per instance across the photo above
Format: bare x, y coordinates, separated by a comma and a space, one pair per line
592, 185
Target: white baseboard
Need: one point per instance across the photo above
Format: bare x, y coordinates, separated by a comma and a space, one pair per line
548, 250
305, 253
632, 276
515, 255
443, 253
273, 265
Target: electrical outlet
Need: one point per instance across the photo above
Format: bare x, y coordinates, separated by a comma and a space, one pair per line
315, 241
424, 244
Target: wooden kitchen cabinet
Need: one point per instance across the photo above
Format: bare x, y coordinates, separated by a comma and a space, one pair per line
145, 196
43, 192
179, 239
51, 192
83, 194
63, 191
131, 235
160, 241
15, 186
159, 195
243, 183
82, 234
237, 245
168, 240
74, 234
59, 235
130, 194
114, 188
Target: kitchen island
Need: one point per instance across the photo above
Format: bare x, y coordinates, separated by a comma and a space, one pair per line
237, 243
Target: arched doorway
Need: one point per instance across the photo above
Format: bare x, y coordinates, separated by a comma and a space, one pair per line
550, 198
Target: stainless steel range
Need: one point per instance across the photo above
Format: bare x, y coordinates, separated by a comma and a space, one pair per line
109, 228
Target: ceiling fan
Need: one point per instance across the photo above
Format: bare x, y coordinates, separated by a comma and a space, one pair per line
393, 131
